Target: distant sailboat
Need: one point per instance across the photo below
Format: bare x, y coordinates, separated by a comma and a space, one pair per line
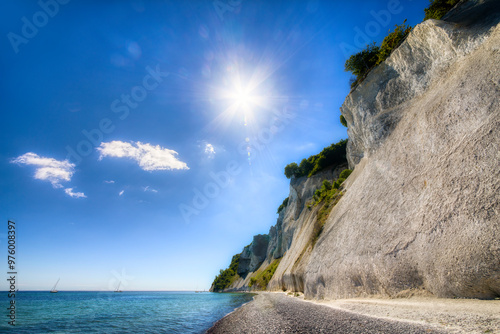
118, 287
54, 288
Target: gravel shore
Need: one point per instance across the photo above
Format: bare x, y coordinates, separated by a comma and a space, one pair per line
279, 313
457, 316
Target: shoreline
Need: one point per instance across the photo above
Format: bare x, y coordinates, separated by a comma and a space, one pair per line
236, 308
439, 315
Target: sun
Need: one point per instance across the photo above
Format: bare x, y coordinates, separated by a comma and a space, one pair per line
241, 91
242, 98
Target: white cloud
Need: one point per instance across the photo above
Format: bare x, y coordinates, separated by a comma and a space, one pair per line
70, 192
209, 150
149, 157
110, 181
121, 192
48, 169
147, 188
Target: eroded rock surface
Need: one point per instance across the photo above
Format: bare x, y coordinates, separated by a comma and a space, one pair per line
421, 211
374, 108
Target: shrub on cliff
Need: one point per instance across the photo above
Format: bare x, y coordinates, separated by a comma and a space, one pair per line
343, 121
392, 41
331, 200
321, 193
345, 173
438, 8
328, 196
334, 154
329, 190
362, 62
291, 170
337, 183
253, 280
283, 205
228, 276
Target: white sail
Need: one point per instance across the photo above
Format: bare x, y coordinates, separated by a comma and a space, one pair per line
55, 285
118, 287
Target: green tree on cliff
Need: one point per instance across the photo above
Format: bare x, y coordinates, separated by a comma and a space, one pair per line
226, 277
343, 121
334, 154
438, 8
392, 41
291, 170
360, 63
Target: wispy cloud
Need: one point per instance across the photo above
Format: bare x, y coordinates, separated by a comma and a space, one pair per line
109, 182
121, 192
48, 169
148, 188
149, 157
70, 192
209, 150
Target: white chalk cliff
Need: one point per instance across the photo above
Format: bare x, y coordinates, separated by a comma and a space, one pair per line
421, 211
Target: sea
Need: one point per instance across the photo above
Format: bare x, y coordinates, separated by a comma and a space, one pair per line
117, 312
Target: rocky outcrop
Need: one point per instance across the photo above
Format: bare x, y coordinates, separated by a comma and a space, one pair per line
421, 210
253, 255
374, 108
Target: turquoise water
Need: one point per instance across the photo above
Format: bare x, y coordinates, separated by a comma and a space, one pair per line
126, 312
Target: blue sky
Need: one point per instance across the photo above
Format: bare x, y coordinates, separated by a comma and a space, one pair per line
145, 141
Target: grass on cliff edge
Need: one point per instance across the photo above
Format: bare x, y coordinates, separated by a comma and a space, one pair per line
262, 279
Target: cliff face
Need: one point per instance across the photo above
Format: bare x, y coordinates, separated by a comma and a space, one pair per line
421, 211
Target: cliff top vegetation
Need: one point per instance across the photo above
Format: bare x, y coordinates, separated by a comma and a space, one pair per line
361, 63
334, 154
438, 8
228, 276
